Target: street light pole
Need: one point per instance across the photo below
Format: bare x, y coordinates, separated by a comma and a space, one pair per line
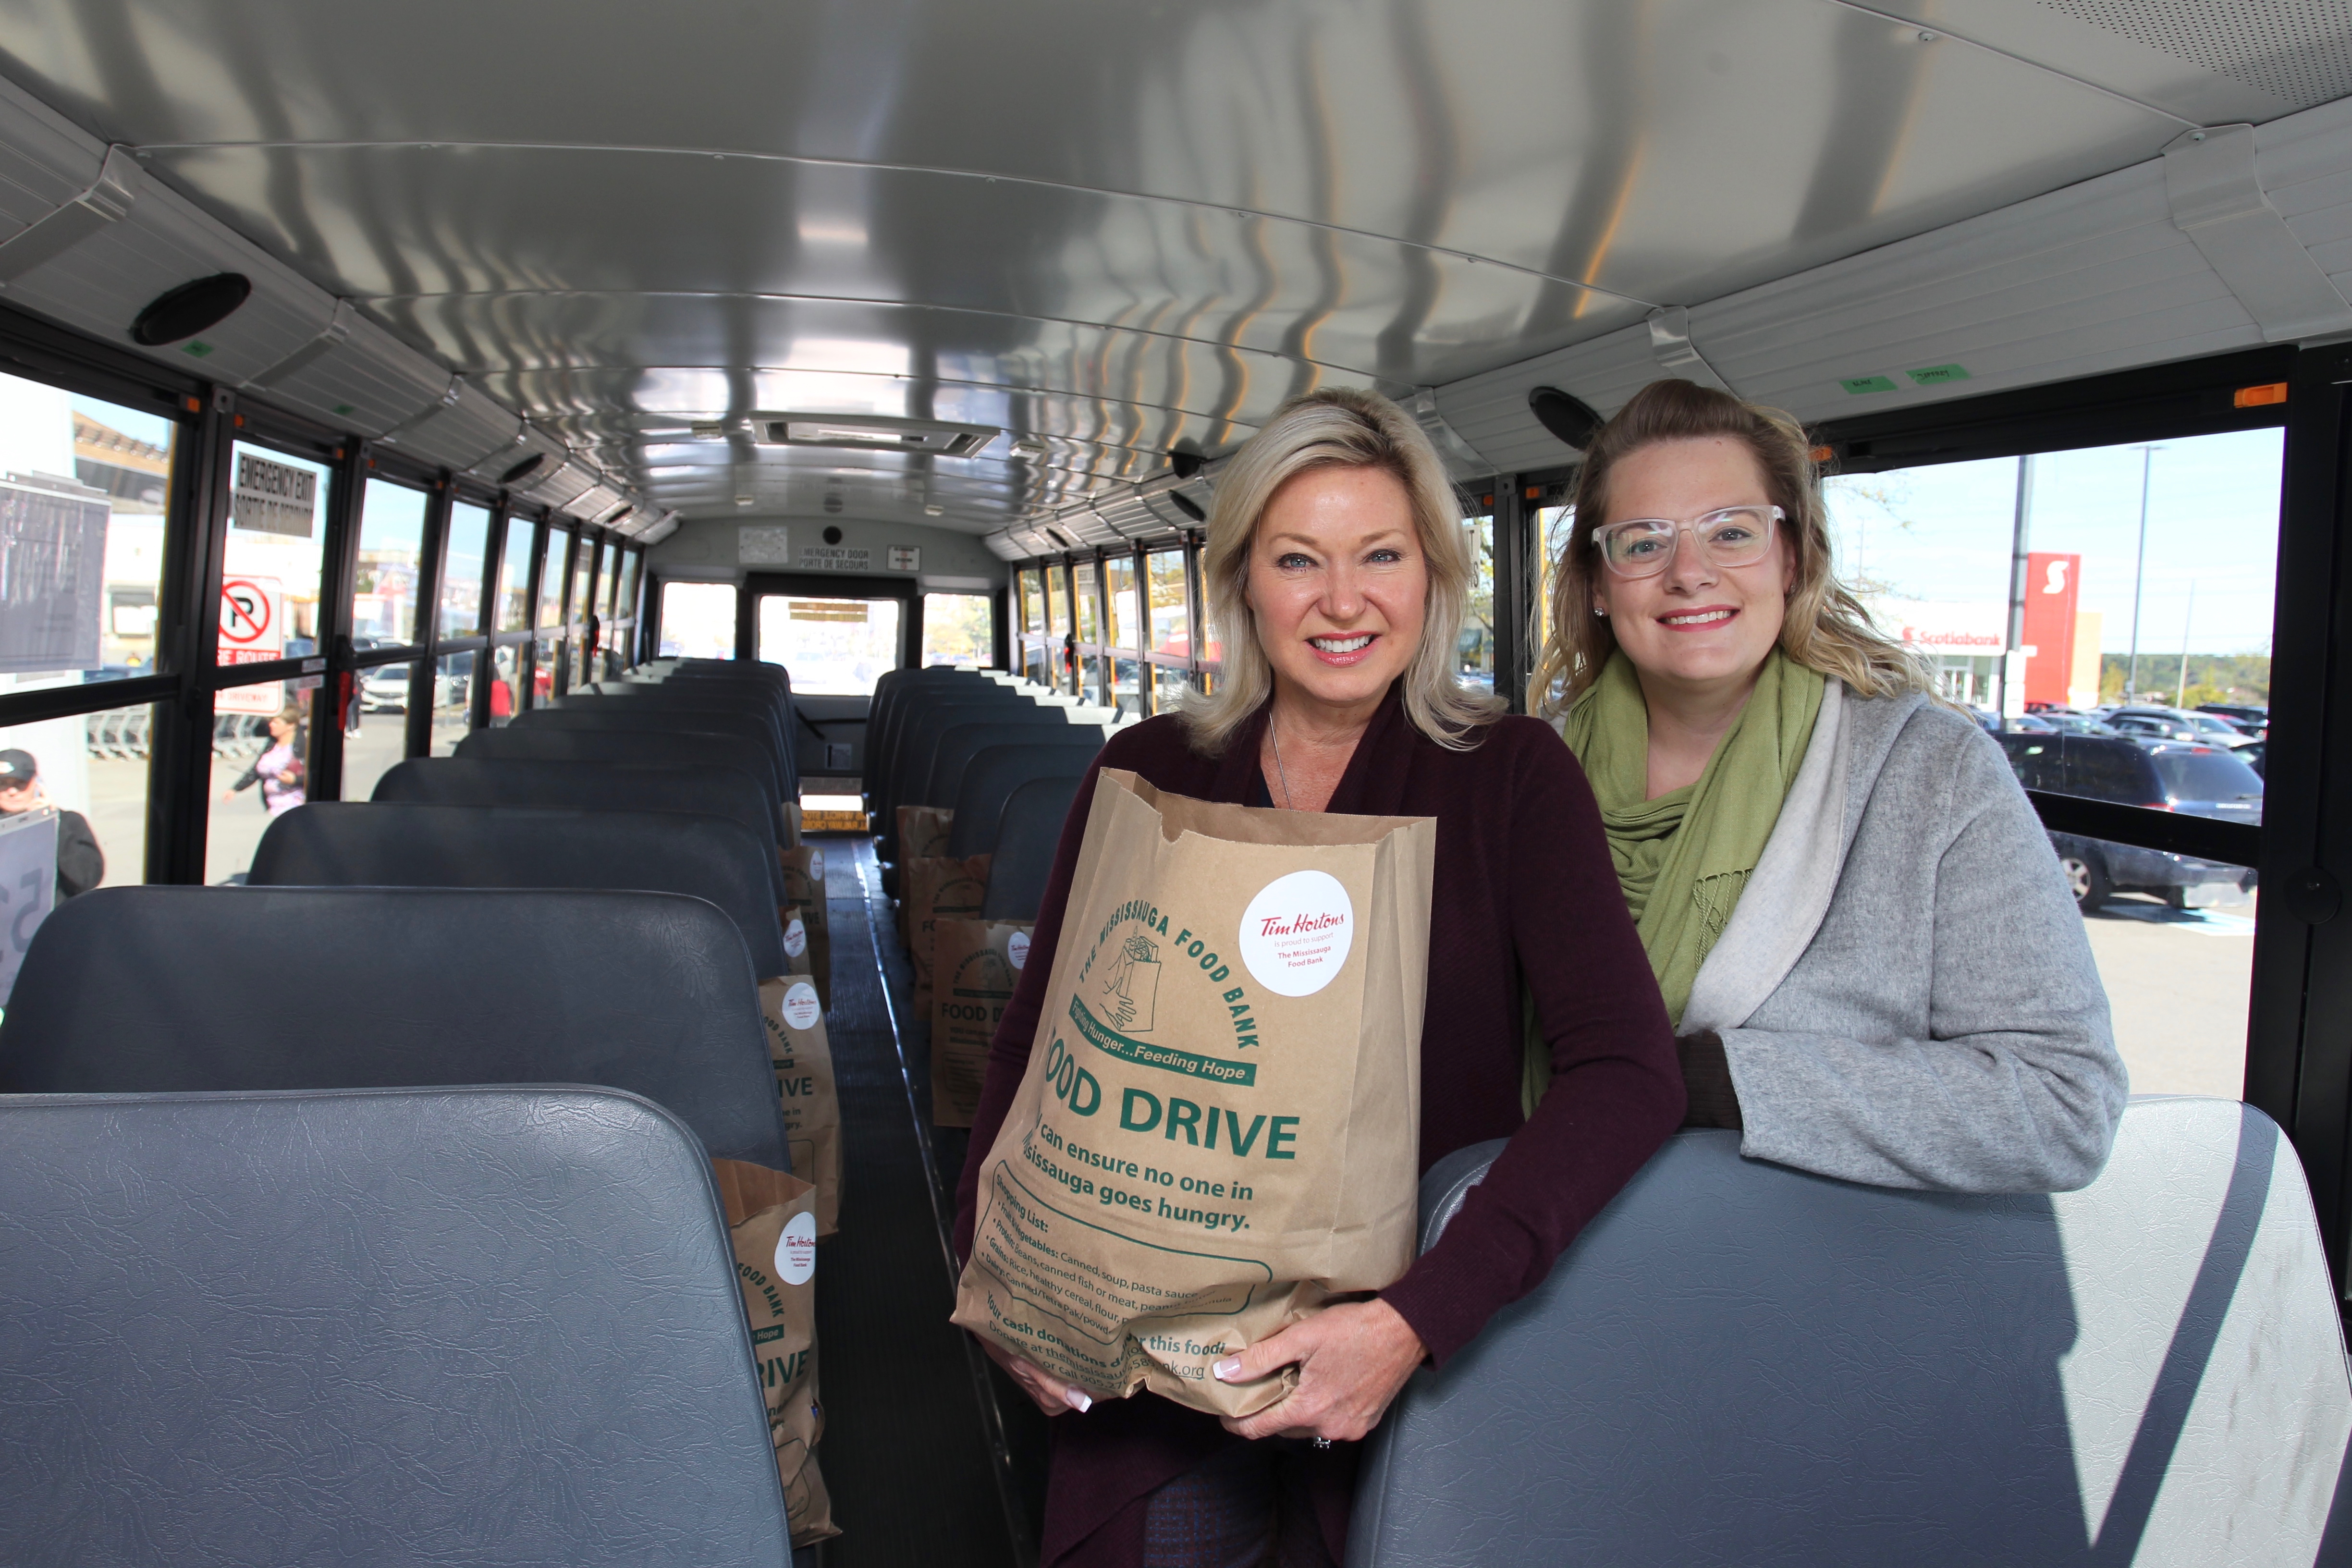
2139, 572
2181, 689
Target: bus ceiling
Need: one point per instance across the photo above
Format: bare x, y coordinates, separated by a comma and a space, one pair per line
1027, 272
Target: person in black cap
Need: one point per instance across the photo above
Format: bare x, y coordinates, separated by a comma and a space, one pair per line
81, 865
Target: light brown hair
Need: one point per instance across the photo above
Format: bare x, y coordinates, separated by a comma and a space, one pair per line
1825, 629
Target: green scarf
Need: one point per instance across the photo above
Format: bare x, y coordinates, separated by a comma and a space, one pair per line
1684, 857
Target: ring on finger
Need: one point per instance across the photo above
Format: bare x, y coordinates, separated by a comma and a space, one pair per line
1322, 1442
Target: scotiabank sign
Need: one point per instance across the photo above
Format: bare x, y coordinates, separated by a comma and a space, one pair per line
1953, 628
2052, 586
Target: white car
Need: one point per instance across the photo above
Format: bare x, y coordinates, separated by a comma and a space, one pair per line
384, 690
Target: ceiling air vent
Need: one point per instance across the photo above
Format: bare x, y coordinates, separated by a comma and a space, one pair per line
873, 433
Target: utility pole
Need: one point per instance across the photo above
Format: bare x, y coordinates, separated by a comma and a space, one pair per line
2139, 572
2010, 699
2180, 690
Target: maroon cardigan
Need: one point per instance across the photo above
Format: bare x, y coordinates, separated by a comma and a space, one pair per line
1524, 891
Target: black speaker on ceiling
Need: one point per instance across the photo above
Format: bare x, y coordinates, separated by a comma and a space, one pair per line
1569, 418
1187, 506
185, 311
524, 470
1186, 464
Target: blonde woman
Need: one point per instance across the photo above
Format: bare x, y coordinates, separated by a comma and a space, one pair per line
1874, 964
1338, 572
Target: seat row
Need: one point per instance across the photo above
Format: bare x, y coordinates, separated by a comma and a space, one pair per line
995, 760
312, 1243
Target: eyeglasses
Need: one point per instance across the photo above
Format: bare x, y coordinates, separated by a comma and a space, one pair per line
1641, 546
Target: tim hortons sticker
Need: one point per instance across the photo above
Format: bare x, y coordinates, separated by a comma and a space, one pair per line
1016, 948
1296, 933
795, 937
800, 1009
796, 1249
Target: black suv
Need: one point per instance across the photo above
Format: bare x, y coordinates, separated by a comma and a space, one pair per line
2200, 780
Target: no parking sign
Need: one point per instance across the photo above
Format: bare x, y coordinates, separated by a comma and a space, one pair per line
252, 631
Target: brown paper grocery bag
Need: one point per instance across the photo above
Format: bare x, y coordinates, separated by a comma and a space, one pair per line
974, 967
922, 836
802, 1061
772, 1227
1220, 1123
937, 888
808, 951
804, 886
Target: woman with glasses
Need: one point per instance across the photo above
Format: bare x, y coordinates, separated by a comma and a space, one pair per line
1874, 966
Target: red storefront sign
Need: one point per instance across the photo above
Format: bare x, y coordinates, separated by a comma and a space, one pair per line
2051, 584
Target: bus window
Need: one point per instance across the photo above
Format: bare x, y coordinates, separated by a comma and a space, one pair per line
959, 629
392, 551
514, 576
1036, 660
554, 549
697, 620
377, 735
831, 647
461, 571
453, 690
90, 480
505, 690
1168, 637
261, 767
1123, 633
1475, 644
1085, 596
2133, 666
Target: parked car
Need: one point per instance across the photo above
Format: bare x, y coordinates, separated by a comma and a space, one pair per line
2184, 725
2068, 723
384, 690
2202, 780
2254, 718
2253, 757
2140, 724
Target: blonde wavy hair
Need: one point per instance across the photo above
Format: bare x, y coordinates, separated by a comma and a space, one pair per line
1338, 428
1826, 629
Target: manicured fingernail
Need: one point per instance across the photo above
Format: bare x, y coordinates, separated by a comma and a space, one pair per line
1078, 1401
1228, 1369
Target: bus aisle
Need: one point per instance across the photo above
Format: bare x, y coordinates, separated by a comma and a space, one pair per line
906, 1451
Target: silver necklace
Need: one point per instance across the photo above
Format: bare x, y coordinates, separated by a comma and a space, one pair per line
1279, 771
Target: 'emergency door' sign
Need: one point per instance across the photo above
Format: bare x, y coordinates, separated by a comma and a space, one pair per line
274, 497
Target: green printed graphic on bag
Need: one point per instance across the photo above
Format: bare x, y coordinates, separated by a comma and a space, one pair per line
939, 888
801, 1060
1219, 1126
773, 1228
975, 965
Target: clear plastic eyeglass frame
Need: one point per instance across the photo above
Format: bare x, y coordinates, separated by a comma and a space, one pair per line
1730, 536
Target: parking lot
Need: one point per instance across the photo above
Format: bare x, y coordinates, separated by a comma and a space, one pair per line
2177, 981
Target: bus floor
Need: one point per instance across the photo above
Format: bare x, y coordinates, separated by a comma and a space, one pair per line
913, 1452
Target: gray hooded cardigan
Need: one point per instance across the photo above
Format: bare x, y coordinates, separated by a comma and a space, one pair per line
1904, 991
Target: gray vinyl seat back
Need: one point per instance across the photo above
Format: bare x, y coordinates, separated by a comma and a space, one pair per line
993, 774
1028, 834
918, 706
625, 718
338, 844
603, 747
689, 707
491, 1326
159, 989
1740, 1362
940, 761
760, 696
675, 697
917, 723
625, 786
892, 687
